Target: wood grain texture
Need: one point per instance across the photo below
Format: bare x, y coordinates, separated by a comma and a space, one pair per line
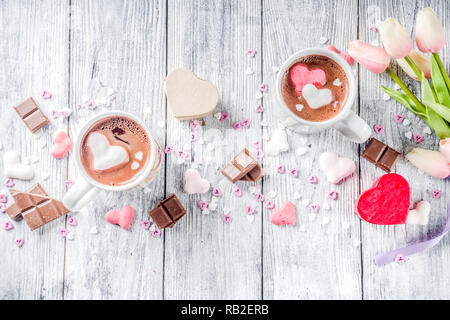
205, 258
320, 261
424, 275
34, 58
123, 45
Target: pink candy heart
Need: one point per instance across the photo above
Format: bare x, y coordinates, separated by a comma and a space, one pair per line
202, 204
236, 125
378, 128
281, 169
249, 209
72, 221
224, 116
8, 226
226, 218
9, 183
336, 168
194, 125
259, 108
259, 197
418, 138
284, 215
251, 53
156, 233
314, 207
20, 242
333, 195
313, 179
436, 194
146, 224
237, 191
399, 118
46, 94
216, 192
300, 76
293, 172
245, 123
62, 144
168, 150
263, 87
123, 218
269, 205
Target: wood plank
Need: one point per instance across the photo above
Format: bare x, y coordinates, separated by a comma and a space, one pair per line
34, 58
205, 258
122, 43
423, 276
320, 261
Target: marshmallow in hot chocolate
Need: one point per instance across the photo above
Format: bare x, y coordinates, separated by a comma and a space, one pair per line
105, 156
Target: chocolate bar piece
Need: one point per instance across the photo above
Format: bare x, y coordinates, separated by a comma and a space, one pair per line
31, 115
36, 208
243, 167
381, 155
167, 212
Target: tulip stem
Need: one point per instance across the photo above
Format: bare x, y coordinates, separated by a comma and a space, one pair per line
441, 67
414, 67
406, 89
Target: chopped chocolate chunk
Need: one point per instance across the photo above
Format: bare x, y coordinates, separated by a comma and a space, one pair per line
243, 167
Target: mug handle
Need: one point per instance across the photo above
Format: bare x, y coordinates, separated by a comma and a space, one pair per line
354, 128
79, 195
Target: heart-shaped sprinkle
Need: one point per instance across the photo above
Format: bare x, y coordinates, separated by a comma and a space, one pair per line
8, 226
245, 123
301, 151
69, 183
9, 183
14, 168
263, 87
427, 130
314, 207
259, 197
63, 232
226, 218
259, 108
202, 204
20, 242
106, 156
408, 134
399, 258
249, 209
436, 194
156, 233
257, 144
168, 150
123, 217
224, 116
237, 191
316, 98
281, 169
187, 156
251, 52
378, 128
269, 205
299, 107
312, 179
337, 82
236, 125
194, 124
3, 198
72, 221
139, 155
194, 183
259, 154
93, 230
406, 122
293, 172
2, 207
300, 76
146, 224
285, 215
194, 136
135, 165
333, 195
399, 118
418, 138
216, 192
46, 94
249, 71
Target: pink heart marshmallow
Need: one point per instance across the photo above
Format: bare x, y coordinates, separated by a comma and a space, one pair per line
194, 183
62, 144
284, 215
336, 168
123, 218
300, 76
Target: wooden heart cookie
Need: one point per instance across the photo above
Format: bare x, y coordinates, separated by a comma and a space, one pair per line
189, 96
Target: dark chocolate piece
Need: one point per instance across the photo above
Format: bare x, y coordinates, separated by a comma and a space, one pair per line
381, 155
167, 212
243, 167
31, 115
36, 208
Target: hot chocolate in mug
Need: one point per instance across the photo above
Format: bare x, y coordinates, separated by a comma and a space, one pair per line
345, 121
114, 151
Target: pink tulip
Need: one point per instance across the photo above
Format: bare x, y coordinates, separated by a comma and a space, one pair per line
432, 162
422, 61
396, 40
430, 35
445, 148
375, 59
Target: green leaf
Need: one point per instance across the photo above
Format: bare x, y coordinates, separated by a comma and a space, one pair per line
439, 84
439, 125
404, 100
427, 92
440, 109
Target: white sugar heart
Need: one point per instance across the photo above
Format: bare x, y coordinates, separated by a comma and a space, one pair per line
13, 168
336, 168
189, 96
139, 155
194, 183
105, 155
420, 214
337, 82
316, 98
278, 143
135, 165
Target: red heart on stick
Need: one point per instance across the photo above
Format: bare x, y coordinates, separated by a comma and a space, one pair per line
386, 203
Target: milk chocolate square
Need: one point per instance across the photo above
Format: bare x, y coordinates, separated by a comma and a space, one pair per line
31, 115
383, 156
243, 167
167, 212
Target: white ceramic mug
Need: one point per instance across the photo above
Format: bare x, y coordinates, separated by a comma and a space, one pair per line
346, 122
85, 189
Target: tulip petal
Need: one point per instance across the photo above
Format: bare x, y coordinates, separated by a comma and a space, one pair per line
430, 34
445, 148
422, 61
396, 40
432, 162
373, 58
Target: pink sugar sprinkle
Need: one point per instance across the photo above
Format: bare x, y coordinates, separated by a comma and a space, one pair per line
237, 191
9, 183
180, 154
399, 258
226, 218
236, 125
249, 209
312, 179
168, 150
2, 207
281, 169
202, 204
216, 192
259, 108
224, 116
399, 118
156, 233
69, 183
63, 232
194, 125
373, 28
245, 123
3, 198
194, 136
46, 95
251, 52
418, 138
293, 172
269, 205
259, 154
146, 224
436, 194
8, 226
20, 242
333, 195
259, 197
378, 128
257, 145
72, 221
263, 87
314, 207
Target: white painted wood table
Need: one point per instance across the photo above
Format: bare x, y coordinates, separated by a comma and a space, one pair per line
131, 45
